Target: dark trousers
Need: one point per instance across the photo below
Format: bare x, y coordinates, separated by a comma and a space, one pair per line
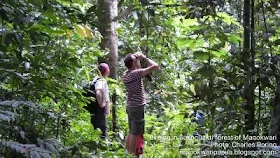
99, 121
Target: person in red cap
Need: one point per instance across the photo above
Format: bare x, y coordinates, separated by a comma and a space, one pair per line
102, 107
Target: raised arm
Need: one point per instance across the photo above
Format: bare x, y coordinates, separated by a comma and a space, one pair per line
152, 65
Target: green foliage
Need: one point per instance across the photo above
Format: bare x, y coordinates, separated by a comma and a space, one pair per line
42, 70
199, 50
48, 50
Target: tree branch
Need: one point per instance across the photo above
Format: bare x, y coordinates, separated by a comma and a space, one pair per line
124, 13
166, 5
265, 26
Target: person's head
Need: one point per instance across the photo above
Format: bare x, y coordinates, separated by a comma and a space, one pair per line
104, 69
131, 61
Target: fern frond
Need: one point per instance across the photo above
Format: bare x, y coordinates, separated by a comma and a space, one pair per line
28, 150
15, 103
7, 116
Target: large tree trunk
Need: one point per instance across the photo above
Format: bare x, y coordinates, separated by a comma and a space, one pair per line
275, 118
107, 11
275, 121
249, 85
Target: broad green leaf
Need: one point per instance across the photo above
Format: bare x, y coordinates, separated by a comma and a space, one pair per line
87, 73
182, 42
206, 71
201, 55
277, 42
228, 19
234, 38
84, 31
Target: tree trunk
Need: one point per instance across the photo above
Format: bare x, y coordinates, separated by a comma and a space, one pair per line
275, 118
249, 85
275, 121
107, 11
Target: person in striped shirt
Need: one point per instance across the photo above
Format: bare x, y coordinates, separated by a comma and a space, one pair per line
136, 99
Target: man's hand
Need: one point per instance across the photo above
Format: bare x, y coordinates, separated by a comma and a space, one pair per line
107, 108
139, 55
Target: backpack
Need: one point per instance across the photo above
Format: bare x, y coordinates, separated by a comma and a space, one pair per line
91, 95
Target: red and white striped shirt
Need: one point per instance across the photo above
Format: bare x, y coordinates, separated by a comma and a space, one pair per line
134, 87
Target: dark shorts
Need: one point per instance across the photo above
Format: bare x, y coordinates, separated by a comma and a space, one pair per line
136, 120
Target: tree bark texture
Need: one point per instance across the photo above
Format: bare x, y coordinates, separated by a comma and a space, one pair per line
107, 11
275, 121
249, 85
275, 118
